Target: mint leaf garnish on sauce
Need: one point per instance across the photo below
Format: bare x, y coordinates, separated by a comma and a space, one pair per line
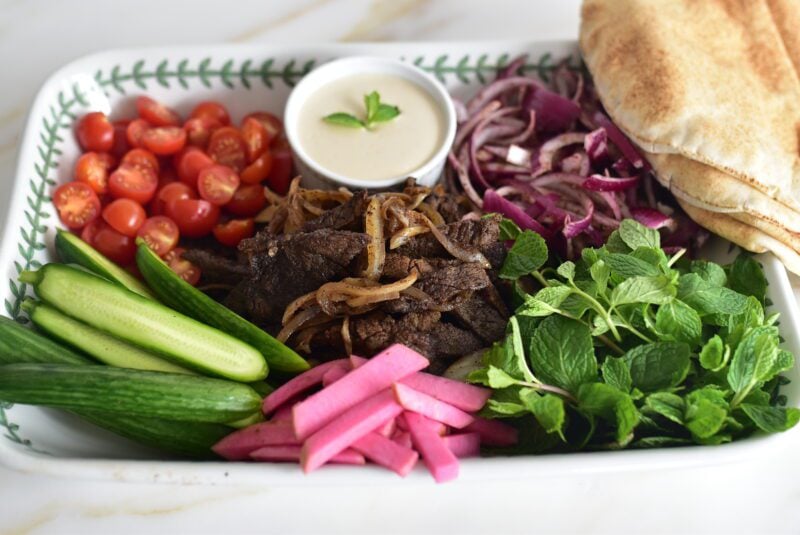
377, 112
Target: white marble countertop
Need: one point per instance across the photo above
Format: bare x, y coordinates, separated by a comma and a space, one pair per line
37, 36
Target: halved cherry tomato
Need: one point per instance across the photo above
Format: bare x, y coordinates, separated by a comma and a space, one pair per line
234, 231
255, 137
92, 168
168, 193
210, 109
95, 132
199, 130
77, 204
185, 269
118, 247
131, 183
135, 132
272, 125
121, 145
160, 233
217, 184
140, 159
195, 217
258, 170
125, 216
227, 147
281, 172
190, 163
248, 201
156, 113
164, 140
90, 230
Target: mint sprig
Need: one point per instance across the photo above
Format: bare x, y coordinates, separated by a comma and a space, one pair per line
376, 112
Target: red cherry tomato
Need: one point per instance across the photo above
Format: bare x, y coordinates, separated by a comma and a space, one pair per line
156, 113
135, 132
234, 231
164, 140
255, 137
77, 204
128, 182
272, 125
211, 110
95, 132
199, 130
141, 159
217, 184
195, 217
92, 169
160, 233
281, 172
121, 145
168, 193
227, 147
90, 230
185, 269
248, 201
125, 216
168, 175
117, 247
258, 170
190, 163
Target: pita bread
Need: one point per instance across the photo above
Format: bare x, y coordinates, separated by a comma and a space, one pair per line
744, 235
711, 80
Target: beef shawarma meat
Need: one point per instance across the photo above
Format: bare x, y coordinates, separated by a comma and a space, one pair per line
481, 318
346, 216
217, 269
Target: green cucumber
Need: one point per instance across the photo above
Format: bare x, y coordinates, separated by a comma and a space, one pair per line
72, 249
21, 344
145, 323
171, 396
190, 439
105, 348
184, 297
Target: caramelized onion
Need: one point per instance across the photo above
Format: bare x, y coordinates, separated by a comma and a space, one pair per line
298, 321
376, 250
402, 236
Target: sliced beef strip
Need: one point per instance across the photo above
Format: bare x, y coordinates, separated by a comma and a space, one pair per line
448, 206
346, 216
481, 318
217, 269
481, 234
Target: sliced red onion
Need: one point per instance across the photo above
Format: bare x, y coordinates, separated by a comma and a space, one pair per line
576, 164
512, 69
596, 146
461, 110
573, 228
499, 87
652, 218
492, 202
607, 183
554, 113
549, 148
463, 179
525, 134
466, 129
621, 141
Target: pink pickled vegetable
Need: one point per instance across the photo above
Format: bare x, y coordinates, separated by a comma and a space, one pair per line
300, 384
390, 365
494, 432
284, 413
388, 428
293, 453
386, 452
441, 462
430, 407
439, 427
469, 398
239, 444
403, 438
464, 444
333, 375
349, 426
652, 218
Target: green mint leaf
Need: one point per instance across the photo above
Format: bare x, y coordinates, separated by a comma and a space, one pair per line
747, 277
706, 413
754, 360
660, 442
516, 341
625, 266
658, 366
497, 378
634, 235
548, 409
772, 419
670, 406
677, 321
527, 255
714, 355
576, 304
343, 119
561, 353
371, 103
545, 302
653, 256
610, 404
707, 298
384, 113
509, 230
615, 244
656, 290
710, 272
617, 374
599, 271
567, 270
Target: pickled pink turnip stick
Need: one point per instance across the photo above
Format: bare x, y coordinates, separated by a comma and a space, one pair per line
430, 407
441, 462
386, 452
494, 432
292, 453
239, 444
333, 375
300, 384
464, 444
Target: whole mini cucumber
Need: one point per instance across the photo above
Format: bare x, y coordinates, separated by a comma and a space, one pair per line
148, 394
21, 344
184, 297
145, 323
